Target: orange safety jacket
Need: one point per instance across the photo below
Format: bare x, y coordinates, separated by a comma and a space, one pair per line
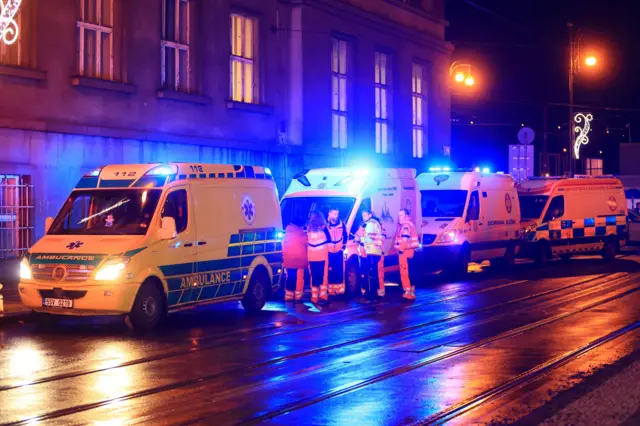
407, 239
337, 236
294, 248
318, 245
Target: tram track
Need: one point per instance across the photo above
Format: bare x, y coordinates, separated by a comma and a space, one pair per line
297, 405
272, 361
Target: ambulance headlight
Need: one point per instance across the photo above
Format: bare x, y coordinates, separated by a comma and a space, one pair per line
448, 237
111, 270
25, 270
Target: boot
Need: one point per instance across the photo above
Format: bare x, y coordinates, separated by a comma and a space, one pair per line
288, 296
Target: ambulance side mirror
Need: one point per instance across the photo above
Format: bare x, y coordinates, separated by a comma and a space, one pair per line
168, 228
47, 224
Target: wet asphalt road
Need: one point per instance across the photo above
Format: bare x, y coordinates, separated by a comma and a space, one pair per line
488, 349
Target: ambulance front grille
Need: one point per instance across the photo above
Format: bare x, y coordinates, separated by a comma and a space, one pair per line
428, 239
72, 273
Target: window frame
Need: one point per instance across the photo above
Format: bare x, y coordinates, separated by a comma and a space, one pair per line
474, 194
383, 88
186, 200
99, 29
177, 46
339, 106
547, 213
420, 125
243, 60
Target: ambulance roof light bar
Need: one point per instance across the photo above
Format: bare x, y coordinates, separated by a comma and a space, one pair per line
95, 172
163, 170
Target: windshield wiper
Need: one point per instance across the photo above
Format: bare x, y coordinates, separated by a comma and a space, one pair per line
108, 209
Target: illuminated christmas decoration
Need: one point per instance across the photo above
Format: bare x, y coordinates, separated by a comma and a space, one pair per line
583, 131
8, 26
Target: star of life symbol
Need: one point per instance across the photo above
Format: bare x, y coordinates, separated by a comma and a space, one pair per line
75, 244
8, 26
248, 210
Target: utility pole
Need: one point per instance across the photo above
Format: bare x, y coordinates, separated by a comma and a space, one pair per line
545, 136
572, 65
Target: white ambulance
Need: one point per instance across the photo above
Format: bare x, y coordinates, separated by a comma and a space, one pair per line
566, 216
384, 191
467, 216
145, 240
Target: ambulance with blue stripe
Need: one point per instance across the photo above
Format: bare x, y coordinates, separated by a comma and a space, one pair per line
567, 216
145, 240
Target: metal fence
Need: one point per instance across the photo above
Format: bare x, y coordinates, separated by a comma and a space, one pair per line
16, 215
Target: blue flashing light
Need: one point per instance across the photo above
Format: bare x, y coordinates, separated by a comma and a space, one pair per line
435, 169
477, 169
279, 235
267, 171
162, 171
485, 170
446, 169
94, 172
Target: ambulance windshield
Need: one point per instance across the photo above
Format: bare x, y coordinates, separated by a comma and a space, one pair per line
531, 206
301, 207
106, 212
443, 203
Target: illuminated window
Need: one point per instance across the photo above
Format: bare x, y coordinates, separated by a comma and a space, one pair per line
95, 39
244, 76
16, 215
339, 94
419, 102
383, 100
175, 45
15, 53
594, 166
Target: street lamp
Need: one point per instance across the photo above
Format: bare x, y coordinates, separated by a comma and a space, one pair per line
575, 41
461, 73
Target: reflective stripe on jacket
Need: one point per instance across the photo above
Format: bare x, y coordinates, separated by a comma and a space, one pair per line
337, 236
318, 245
294, 248
372, 238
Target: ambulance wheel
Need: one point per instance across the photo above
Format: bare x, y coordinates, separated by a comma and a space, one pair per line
609, 250
149, 307
460, 268
542, 252
256, 295
507, 261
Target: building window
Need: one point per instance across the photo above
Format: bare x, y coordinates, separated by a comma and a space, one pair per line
176, 66
14, 53
594, 166
339, 94
383, 100
16, 215
419, 102
244, 76
95, 39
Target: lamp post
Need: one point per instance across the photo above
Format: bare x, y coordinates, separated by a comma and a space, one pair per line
461, 73
575, 38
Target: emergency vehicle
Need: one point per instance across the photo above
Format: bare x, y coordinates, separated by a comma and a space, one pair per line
467, 216
383, 191
146, 240
566, 216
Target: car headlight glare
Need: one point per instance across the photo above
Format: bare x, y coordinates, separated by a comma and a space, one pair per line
450, 236
110, 271
25, 270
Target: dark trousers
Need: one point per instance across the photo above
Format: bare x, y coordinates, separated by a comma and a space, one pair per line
317, 273
336, 269
371, 278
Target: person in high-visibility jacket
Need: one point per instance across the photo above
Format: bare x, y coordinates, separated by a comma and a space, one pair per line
338, 239
383, 236
372, 241
318, 255
406, 242
294, 259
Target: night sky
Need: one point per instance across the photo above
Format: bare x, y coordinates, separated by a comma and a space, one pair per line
521, 51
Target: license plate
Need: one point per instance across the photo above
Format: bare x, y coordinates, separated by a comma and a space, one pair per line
57, 303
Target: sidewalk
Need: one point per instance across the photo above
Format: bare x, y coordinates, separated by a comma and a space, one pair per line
10, 306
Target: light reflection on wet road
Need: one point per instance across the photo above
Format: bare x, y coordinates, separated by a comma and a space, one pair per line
388, 363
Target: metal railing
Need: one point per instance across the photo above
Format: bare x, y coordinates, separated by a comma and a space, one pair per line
16, 215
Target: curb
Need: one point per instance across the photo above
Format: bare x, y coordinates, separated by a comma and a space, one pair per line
13, 316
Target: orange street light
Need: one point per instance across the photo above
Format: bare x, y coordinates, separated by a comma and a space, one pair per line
459, 77
461, 73
469, 81
590, 61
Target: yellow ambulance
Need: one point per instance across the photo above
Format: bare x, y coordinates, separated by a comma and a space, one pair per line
147, 240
